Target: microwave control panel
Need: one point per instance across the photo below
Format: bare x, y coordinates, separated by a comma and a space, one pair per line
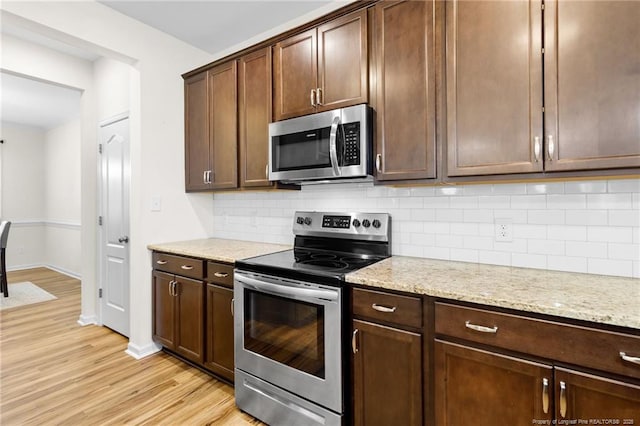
351, 144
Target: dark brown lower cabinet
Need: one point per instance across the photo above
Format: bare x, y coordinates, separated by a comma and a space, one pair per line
178, 312
219, 341
387, 375
480, 388
586, 396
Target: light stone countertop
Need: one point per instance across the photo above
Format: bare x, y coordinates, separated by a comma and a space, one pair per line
597, 298
218, 249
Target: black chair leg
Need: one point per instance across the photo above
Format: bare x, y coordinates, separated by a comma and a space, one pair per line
5, 286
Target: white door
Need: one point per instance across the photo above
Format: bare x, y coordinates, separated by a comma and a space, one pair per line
114, 301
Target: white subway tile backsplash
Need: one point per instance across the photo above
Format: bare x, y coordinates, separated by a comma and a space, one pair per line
546, 188
589, 187
478, 215
567, 201
586, 249
546, 247
567, 233
622, 201
567, 263
624, 218
580, 226
546, 217
464, 255
494, 257
528, 201
624, 251
529, 260
610, 234
624, 185
587, 217
622, 268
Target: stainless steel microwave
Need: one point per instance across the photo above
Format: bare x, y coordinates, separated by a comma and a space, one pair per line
329, 145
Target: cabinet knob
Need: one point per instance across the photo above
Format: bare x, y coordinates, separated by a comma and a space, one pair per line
536, 148
563, 399
312, 97
354, 341
319, 96
379, 163
551, 147
545, 395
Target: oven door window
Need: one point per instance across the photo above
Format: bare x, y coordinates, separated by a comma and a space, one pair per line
285, 330
302, 150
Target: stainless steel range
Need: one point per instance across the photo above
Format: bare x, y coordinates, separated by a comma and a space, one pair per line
290, 326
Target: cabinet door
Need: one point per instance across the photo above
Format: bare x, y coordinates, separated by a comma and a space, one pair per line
342, 62
190, 319
295, 68
255, 115
219, 341
494, 87
196, 127
592, 84
387, 376
476, 387
405, 90
223, 113
164, 316
586, 396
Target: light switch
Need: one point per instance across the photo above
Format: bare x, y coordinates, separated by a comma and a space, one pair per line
156, 204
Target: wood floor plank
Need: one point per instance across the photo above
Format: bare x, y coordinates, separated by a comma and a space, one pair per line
54, 371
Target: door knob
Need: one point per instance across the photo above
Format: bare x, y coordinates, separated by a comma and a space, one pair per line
124, 239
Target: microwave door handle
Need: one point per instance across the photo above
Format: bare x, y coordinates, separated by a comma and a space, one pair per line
333, 151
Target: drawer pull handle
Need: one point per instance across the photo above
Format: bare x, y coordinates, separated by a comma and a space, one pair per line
221, 274
187, 267
633, 359
481, 328
385, 309
161, 262
232, 313
545, 395
354, 341
563, 399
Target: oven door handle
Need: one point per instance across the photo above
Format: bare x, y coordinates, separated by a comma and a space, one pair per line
287, 291
333, 150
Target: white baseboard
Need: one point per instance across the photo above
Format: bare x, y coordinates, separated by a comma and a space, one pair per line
42, 265
139, 352
88, 320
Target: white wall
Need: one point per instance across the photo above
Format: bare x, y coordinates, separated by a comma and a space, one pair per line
579, 226
112, 80
157, 137
22, 193
62, 198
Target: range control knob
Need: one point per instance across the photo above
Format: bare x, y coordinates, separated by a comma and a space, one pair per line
307, 220
299, 220
356, 223
376, 223
366, 223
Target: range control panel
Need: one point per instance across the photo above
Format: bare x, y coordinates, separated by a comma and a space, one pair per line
362, 226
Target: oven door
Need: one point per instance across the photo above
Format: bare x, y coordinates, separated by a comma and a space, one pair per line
289, 334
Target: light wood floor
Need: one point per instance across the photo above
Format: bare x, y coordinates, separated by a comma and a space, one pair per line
53, 371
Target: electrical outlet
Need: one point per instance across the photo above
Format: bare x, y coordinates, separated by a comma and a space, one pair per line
504, 231
156, 204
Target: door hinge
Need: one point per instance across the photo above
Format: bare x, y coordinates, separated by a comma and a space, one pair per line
100, 220
543, 50
100, 293
542, 6
542, 109
100, 148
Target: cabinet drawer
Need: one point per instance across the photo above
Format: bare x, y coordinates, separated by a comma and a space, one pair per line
220, 273
179, 265
386, 307
583, 346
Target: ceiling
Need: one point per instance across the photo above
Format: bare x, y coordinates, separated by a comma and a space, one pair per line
215, 25
37, 104
211, 25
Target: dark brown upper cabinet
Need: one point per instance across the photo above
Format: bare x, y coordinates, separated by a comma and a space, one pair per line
592, 84
404, 96
496, 120
254, 117
211, 135
322, 68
